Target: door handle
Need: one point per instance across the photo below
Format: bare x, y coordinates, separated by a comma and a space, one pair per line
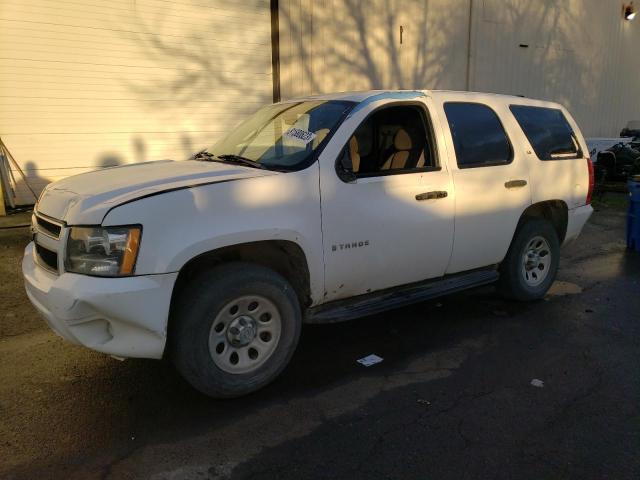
515, 183
431, 195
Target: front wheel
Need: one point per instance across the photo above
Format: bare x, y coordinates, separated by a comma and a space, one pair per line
235, 328
531, 264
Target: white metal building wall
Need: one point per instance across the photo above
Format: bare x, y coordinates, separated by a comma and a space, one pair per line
340, 45
86, 83
580, 53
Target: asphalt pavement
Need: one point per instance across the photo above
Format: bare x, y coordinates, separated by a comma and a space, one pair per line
452, 399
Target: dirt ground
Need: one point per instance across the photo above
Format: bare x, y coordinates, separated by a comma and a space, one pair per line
16, 314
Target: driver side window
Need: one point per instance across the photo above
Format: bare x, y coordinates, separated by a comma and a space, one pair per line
392, 140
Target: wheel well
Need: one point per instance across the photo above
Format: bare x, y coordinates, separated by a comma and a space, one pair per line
284, 257
554, 211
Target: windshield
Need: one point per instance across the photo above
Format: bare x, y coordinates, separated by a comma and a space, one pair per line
283, 136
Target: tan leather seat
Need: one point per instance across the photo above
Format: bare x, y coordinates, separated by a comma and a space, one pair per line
320, 135
402, 145
354, 153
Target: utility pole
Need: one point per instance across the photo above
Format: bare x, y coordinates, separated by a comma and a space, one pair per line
469, 46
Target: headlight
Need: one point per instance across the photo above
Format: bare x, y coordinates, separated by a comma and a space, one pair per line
105, 252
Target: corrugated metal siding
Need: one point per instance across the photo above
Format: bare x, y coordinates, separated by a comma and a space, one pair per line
580, 53
342, 45
86, 84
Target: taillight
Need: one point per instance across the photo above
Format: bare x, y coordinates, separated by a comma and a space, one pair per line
591, 181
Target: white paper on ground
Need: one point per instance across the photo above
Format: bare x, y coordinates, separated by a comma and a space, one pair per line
370, 360
537, 383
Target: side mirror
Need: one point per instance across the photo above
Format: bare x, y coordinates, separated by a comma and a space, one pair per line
344, 167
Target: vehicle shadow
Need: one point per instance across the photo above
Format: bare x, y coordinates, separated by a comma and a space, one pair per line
122, 407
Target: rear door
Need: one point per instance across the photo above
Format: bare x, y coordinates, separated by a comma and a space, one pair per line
491, 179
558, 153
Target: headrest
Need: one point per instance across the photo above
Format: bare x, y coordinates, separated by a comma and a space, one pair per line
353, 152
320, 134
353, 145
402, 140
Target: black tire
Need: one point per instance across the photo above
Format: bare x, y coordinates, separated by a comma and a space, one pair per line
512, 281
198, 307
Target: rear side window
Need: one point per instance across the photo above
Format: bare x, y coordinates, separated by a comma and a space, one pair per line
548, 132
478, 135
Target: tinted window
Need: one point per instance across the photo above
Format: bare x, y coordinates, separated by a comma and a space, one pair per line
392, 139
548, 132
478, 136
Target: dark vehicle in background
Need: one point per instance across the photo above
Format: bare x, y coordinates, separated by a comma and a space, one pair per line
631, 130
622, 160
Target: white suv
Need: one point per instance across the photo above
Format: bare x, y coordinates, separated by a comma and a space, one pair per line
318, 209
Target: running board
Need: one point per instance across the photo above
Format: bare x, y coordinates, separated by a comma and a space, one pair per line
372, 303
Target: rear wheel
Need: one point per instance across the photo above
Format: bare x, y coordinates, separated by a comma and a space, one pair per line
531, 264
235, 328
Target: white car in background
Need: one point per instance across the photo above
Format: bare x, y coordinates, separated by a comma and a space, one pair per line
317, 209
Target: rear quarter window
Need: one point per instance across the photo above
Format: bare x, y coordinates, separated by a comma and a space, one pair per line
548, 132
478, 135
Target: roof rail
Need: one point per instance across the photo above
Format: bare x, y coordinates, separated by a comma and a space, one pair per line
403, 95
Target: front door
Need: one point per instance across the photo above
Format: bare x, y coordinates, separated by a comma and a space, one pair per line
388, 222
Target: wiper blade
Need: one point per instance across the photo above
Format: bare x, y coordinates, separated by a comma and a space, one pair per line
207, 156
240, 160
203, 155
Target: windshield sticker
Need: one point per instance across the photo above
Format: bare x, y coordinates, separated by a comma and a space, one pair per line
299, 134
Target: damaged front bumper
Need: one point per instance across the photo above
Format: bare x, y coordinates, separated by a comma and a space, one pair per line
123, 317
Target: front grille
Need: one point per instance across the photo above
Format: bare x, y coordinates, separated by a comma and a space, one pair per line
48, 228
47, 258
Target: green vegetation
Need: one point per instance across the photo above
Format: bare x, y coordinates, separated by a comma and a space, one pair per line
611, 200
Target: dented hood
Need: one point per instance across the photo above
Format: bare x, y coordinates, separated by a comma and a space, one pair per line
86, 198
